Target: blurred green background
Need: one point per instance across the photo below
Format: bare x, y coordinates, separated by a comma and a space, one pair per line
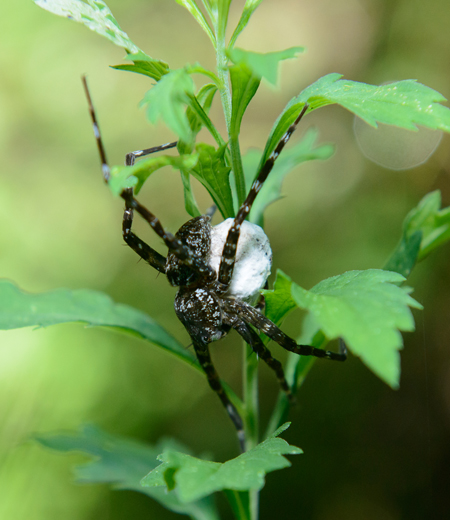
370, 452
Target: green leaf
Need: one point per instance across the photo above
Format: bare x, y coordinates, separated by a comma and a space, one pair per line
249, 8
425, 228
403, 103
212, 171
122, 462
263, 65
192, 7
218, 11
128, 176
192, 478
404, 258
244, 86
279, 301
305, 150
433, 222
143, 64
197, 114
20, 309
95, 15
205, 98
168, 100
190, 203
367, 309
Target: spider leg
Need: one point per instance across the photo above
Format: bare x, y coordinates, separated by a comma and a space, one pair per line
131, 157
146, 252
229, 249
175, 245
252, 338
204, 358
259, 321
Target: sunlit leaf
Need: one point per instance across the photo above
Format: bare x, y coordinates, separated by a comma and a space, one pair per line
95, 15
21, 309
128, 176
263, 65
244, 85
404, 104
143, 64
192, 479
305, 150
367, 309
168, 100
122, 463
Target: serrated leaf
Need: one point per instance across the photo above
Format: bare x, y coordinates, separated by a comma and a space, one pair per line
134, 176
244, 85
168, 99
21, 309
404, 104
367, 309
425, 228
212, 171
194, 478
122, 462
305, 150
143, 64
263, 65
192, 7
249, 8
95, 15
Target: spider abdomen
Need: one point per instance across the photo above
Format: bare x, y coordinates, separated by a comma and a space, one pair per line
200, 312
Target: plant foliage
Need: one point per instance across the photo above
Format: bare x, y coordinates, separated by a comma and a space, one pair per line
367, 309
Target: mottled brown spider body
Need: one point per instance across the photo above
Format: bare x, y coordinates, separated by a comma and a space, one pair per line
208, 302
196, 234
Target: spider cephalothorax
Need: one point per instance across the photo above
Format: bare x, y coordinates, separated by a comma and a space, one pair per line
219, 272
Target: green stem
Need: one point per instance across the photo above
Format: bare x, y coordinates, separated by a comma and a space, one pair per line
250, 379
280, 412
238, 170
223, 74
238, 504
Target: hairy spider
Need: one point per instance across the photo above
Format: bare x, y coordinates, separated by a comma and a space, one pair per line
212, 298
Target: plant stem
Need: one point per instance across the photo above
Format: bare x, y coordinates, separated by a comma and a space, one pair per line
226, 98
238, 504
250, 380
238, 170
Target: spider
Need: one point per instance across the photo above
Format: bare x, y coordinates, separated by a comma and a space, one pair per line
206, 303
